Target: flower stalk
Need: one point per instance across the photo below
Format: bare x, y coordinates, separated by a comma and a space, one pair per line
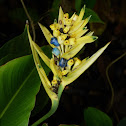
68, 38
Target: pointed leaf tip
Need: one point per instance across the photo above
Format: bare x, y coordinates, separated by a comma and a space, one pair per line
83, 66
94, 37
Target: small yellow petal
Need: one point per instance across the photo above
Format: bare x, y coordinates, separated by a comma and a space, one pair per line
75, 16
60, 40
66, 16
66, 29
64, 36
60, 19
79, 33
68, 22
78, 46
86, 39
70, 62
52, 26
76, 27
64, 72
66, 42
77, 62
89, 33
54, 82
72, 41
56, 33
55, 69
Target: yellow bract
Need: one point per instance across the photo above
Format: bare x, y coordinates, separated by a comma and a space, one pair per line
68, 38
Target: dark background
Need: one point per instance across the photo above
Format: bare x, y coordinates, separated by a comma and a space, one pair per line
92, 87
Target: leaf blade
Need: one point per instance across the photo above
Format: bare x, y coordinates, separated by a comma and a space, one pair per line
15, 48
95, 117
11, 98
18, 73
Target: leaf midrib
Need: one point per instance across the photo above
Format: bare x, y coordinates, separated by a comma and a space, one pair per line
14, 96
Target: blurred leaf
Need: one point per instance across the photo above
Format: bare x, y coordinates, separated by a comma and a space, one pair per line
78, 5
19, 14
19, 84
89, 3
47, 50
16, 47
98, 28
95, 18
45, 124
55, 9
95, 117
122, 122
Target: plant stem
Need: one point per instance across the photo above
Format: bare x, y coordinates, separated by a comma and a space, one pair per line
60, 90
29, 18
110, 84
54, 106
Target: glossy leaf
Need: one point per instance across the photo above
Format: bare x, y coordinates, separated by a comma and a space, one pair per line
95, 117
89, 4
95, 18
16, 47
19, 84
122, 122
78, 5
55, 8
39, 104
18, 14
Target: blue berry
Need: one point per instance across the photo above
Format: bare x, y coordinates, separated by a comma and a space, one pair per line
54, 41
62, 62
55, 51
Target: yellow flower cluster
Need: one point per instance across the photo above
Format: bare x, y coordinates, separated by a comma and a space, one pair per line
68, 38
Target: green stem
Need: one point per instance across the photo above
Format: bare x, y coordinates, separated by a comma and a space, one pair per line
29, 18
54, 107
110, 84
60, 90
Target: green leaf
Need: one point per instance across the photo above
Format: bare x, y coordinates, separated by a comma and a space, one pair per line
16, 47
78, 5
55, 9
95, 18
40, 105
19, 84
122, 122
45, 124
20, 15
95, 117
89, 3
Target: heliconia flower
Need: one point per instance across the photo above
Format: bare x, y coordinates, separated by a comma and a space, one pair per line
62, 62
55, 51
70, 35
54, 41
